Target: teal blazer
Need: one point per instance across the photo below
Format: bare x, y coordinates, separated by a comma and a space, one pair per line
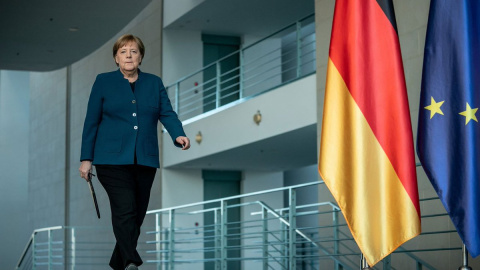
120, 124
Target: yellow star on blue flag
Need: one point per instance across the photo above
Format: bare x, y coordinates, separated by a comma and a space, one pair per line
469, 114
434, 107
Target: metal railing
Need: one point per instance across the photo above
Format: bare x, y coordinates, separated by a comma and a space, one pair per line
307, 236
310, 235
279, 58
70, 247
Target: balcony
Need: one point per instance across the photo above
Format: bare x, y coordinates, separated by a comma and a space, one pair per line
278, 59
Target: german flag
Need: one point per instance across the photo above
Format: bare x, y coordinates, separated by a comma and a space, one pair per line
367, 156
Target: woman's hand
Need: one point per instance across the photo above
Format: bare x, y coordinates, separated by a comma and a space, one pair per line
184, 141
85, 169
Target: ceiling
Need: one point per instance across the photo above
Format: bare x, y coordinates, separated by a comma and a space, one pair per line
51, 34
290, 150
238, 17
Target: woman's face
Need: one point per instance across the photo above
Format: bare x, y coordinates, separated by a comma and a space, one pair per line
128, 57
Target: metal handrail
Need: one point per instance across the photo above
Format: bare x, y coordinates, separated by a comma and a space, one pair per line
276, 255
279, 214
282, 245
30, 242
227, 87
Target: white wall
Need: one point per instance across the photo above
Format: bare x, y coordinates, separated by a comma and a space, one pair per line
14, 128
183, 56
46, 178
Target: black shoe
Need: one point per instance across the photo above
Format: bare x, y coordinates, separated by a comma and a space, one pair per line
131, 267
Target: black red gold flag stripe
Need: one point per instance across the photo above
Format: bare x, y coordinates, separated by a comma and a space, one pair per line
367, 155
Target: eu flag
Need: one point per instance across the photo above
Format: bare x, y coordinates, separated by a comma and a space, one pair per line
448, 142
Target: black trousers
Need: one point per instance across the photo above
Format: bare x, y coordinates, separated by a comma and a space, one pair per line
128, 188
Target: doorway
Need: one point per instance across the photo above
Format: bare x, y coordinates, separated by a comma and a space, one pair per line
221, 184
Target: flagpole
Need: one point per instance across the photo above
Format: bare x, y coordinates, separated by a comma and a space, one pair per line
465, 259
364, 264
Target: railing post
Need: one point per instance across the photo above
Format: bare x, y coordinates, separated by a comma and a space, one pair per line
166, 247
73, 249
292, 248
223, 206
335, 237
218, 238
177, 98
419, 266
312, 252
33, 250
171, 240
284, 239
265, 238
299, 49
49, 249
219, 74
240, 93
158, 239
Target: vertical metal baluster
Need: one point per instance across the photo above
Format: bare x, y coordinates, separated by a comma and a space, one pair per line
312, 253
240, 95
177, 98
166, 249
223, 205
73, 249
219, 74
284, 239
265, 238
299, 49
49, 249
33, 251
158, 239
218, 239
335, 236
171, 240
292, 248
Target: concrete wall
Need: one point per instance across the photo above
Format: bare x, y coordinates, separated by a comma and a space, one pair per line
183, 55
14, 118
46, 178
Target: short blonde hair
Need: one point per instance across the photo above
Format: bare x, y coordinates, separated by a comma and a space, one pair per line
121, 41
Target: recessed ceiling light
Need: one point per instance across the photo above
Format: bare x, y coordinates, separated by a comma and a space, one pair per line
73, 29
